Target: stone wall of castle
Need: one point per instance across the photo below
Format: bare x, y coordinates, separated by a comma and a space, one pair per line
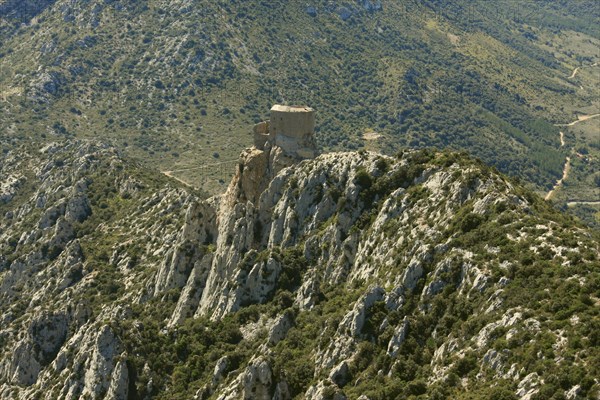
291, 128
292, 121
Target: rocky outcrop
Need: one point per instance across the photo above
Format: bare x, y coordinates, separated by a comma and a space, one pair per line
9, 187
280, 328
322, 391
61, 344
254, 173
398, 338
307, 278
528, 386
46, 86
190, 251
256, 382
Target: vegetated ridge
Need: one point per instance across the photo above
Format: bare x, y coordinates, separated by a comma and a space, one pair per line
351, 275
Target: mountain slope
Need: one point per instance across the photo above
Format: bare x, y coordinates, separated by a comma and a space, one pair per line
353, 274
167, 80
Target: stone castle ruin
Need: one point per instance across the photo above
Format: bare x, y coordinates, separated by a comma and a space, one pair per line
284, 140
291, 128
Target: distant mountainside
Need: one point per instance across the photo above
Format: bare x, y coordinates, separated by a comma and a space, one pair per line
349, 276
175, 83
15, 12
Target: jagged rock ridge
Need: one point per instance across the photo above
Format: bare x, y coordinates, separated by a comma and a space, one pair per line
426, 273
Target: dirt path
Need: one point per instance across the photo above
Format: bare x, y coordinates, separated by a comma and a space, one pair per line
562, 139
204, 166
559, 182
580, 118
170, 175
574, 203
576, 70
574, 73
567, 167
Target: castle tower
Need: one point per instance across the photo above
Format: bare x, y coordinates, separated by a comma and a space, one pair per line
291, 128
292, 121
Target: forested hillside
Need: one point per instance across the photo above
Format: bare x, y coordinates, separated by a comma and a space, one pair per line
177, 83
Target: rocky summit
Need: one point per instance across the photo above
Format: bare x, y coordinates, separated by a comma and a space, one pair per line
344, 276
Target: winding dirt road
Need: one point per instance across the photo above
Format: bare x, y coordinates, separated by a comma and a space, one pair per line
580, 118
562, 139
576, 70
567, 167
559, 182
574, 73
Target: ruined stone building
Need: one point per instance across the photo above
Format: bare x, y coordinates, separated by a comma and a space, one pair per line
284, 140
291, 128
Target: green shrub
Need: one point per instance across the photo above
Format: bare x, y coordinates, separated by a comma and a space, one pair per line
363, 178
470, 222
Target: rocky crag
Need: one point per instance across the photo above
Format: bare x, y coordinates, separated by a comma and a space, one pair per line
347, 275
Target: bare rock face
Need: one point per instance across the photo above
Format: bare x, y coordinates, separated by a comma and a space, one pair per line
191, 293
23, 368
340, 374
190, 248
255, 382
220, 368
528, 387
45, 86
321, 391
253, 170
78, 208
9, 186
119, 383
279, 329
398, 338
105, 348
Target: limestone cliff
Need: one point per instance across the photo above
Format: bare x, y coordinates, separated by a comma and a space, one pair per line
350, 275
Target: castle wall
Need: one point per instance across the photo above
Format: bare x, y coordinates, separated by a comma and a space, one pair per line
292, 121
